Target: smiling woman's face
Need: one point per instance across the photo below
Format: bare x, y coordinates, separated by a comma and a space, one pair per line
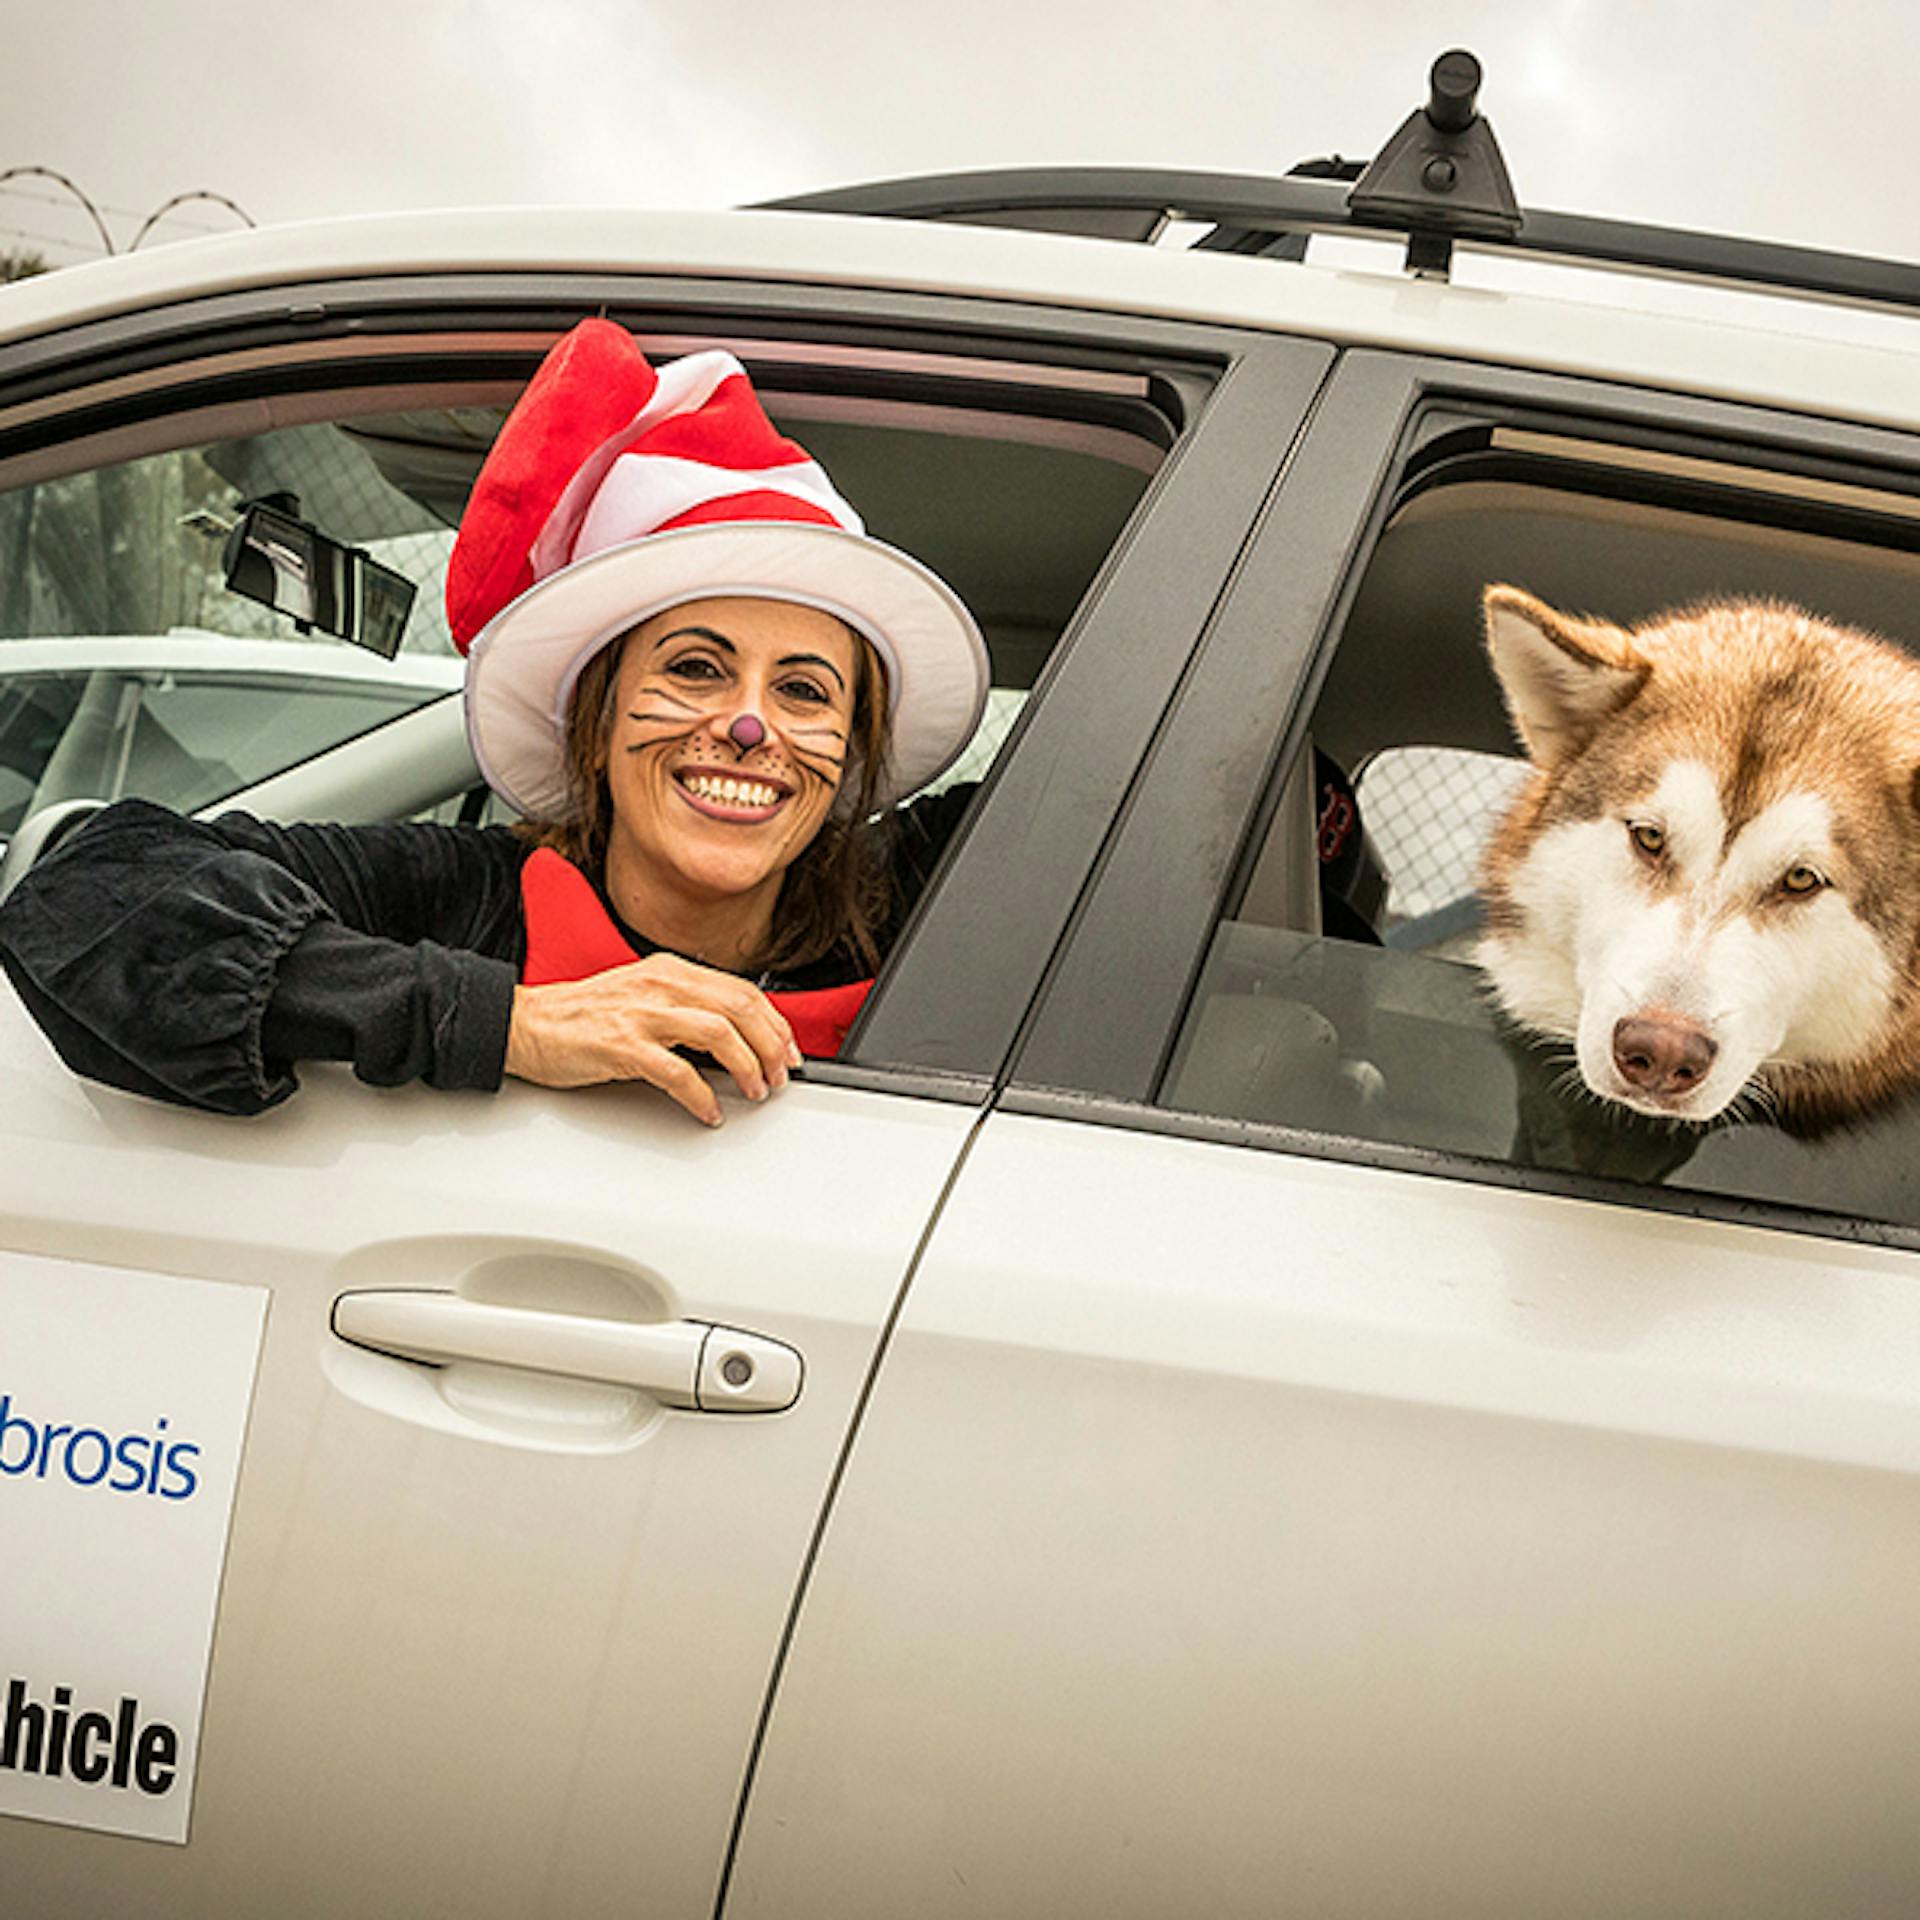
707, 806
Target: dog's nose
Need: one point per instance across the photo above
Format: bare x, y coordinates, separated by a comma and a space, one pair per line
1661, 1053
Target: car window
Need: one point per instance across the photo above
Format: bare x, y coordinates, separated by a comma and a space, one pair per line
128, 667
1339, 993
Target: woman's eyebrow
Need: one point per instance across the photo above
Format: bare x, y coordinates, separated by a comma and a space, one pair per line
721, 640
813, 660
699, 633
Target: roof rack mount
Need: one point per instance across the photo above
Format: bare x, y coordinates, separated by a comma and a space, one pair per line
1273, 216
1441, 175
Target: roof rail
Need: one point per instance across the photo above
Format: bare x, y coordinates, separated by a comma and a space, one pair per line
1260, 214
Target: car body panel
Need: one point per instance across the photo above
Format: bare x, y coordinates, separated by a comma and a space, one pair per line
1248, 1523
483, 1647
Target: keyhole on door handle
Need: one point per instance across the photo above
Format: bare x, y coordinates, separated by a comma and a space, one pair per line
736, 1369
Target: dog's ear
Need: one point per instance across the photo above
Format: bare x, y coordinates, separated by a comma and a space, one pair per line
1562, 677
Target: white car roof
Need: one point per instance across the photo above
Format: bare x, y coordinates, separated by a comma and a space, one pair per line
194, 651
1784, 357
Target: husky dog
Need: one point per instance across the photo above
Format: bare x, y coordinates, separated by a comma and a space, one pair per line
1711, 886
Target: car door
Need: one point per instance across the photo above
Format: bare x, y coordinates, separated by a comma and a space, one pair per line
1298, 1481
548, 1390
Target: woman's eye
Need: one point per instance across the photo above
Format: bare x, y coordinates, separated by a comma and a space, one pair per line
1651, 840
694, 666
806, 692
1802, 880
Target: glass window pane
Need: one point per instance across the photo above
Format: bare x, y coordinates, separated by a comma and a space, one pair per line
1341, 995
126, 665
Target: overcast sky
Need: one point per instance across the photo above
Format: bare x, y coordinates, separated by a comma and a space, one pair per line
1784, 121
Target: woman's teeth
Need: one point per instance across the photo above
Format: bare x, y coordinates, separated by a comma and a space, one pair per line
730, 793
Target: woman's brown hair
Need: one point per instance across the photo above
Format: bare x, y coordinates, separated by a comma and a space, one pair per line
834, 895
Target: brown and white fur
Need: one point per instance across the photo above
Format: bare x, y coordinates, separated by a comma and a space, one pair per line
1711, 886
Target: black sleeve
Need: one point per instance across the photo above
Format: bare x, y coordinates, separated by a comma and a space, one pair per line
196, 961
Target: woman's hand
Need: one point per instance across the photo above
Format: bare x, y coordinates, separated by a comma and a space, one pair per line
624, 1024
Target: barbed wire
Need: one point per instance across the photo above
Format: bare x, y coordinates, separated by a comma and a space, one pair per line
119, 213
59, 179
180, 199
165, 210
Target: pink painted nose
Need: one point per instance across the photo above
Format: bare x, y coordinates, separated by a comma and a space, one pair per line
747, 731
1660, 1054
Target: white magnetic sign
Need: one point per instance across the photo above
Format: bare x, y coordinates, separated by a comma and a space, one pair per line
123, 1404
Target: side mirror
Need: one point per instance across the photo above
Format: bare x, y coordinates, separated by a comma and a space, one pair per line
287, 563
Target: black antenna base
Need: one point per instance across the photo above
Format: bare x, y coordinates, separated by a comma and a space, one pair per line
1441, 176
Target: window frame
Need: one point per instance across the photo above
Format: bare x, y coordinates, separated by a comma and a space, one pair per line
963, 976
1142, 937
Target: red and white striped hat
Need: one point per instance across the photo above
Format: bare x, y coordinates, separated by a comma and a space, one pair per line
615, 491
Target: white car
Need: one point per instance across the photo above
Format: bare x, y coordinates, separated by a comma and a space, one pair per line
185, 717
1172, 1421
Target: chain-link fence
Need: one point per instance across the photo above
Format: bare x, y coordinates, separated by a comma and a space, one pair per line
1429, 812
138, 548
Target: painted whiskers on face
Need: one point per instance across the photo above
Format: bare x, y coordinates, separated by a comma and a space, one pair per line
829, 757
722, 765
815, 750
1712, 890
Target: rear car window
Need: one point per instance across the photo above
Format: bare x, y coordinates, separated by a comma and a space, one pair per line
1350, 1005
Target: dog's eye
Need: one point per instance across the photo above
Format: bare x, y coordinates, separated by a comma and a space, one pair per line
1651, 840
1802, 879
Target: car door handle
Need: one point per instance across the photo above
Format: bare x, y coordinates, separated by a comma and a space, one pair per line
681, 1363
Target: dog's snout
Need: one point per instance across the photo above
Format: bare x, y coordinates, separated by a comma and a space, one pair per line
1661, 1054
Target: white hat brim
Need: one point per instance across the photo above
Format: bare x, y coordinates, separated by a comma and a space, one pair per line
523, 664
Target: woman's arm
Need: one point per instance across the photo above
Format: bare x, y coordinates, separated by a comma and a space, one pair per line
640, 1022
196, 961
